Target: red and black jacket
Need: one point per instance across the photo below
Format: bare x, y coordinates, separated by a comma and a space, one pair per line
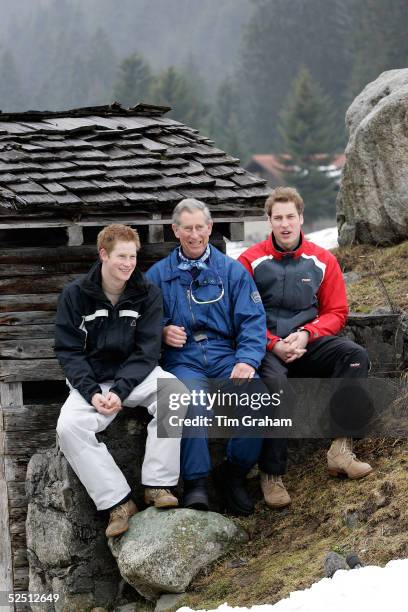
301, 288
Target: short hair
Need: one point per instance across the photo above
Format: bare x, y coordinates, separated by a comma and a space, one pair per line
190, 205
284, 194
110, 234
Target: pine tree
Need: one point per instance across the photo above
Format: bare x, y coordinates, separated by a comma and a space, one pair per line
225, 127
171, 88
134, 81
279, 37
306, 132
378, 40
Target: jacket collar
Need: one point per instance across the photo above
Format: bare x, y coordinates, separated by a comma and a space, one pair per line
278, 254
92, 284
172, 271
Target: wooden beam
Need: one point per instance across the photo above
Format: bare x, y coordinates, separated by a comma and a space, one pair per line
12, 370
6, 567
10, 332
25, 348
28, 302
106, 220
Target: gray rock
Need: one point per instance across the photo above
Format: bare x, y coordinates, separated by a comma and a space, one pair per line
68, 552
351, 277
372, 205
164, 550
168, 602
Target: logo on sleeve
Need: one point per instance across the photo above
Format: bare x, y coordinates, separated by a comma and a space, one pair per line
255, 297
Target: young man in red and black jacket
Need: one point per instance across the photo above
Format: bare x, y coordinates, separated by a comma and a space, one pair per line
304, 296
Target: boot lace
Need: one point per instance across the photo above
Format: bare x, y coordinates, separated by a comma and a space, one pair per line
157, 492
274, 479
119, 512
347, 448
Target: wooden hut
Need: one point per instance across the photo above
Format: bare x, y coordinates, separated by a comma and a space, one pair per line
63, 176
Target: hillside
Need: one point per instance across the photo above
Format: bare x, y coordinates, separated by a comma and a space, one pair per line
378, 276
370, 517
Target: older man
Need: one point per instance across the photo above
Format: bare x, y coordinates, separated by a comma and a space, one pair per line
214, 327
304, 295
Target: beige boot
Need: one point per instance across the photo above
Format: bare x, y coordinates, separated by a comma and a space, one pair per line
342, 460
119, 519
273, 489
160, 498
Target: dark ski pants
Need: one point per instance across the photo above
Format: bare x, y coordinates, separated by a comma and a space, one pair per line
326, 357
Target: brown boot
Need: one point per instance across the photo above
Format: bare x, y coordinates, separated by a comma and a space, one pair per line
160, 498
275, 493
119, 518
342, 460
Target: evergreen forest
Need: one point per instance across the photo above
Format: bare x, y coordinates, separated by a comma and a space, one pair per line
257, 76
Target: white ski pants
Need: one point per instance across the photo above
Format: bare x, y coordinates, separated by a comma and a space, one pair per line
94, 465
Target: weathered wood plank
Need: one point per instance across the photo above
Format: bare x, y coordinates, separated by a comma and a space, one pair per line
17, 495
29, 441
50, 268
31, 302
15, 467
41, 417
42, 284
27, 349
21, 578
23, 319
19, 557
13, 370
43, 255
6, 571
11, 394
10, 332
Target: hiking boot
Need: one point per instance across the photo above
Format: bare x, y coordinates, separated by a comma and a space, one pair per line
342, 460
230, 480
274, 491
160, 498
119, 518
195, 494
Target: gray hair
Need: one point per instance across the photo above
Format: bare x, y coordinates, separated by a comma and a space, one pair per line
190, 205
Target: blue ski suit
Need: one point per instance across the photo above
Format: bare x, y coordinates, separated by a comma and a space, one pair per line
224, 319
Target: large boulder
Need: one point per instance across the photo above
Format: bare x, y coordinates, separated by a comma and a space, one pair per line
164, 550
372, 205
68, 553
69, 557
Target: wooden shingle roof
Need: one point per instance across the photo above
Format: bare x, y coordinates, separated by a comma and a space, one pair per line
91, 160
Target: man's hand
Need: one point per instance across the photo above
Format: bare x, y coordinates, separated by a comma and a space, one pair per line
105, 406
292, 347
242, 372
113, 401
174, 335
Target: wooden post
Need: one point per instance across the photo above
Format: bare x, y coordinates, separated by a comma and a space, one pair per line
237, 231
6, 569
75, 235
11, 394
156, 232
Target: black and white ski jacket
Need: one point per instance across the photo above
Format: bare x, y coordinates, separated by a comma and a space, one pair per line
96, 341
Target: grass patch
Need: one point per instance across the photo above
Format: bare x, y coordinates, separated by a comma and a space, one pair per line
382, 275
287, 548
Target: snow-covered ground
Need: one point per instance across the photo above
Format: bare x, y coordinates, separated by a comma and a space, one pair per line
326, 238
369, 589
